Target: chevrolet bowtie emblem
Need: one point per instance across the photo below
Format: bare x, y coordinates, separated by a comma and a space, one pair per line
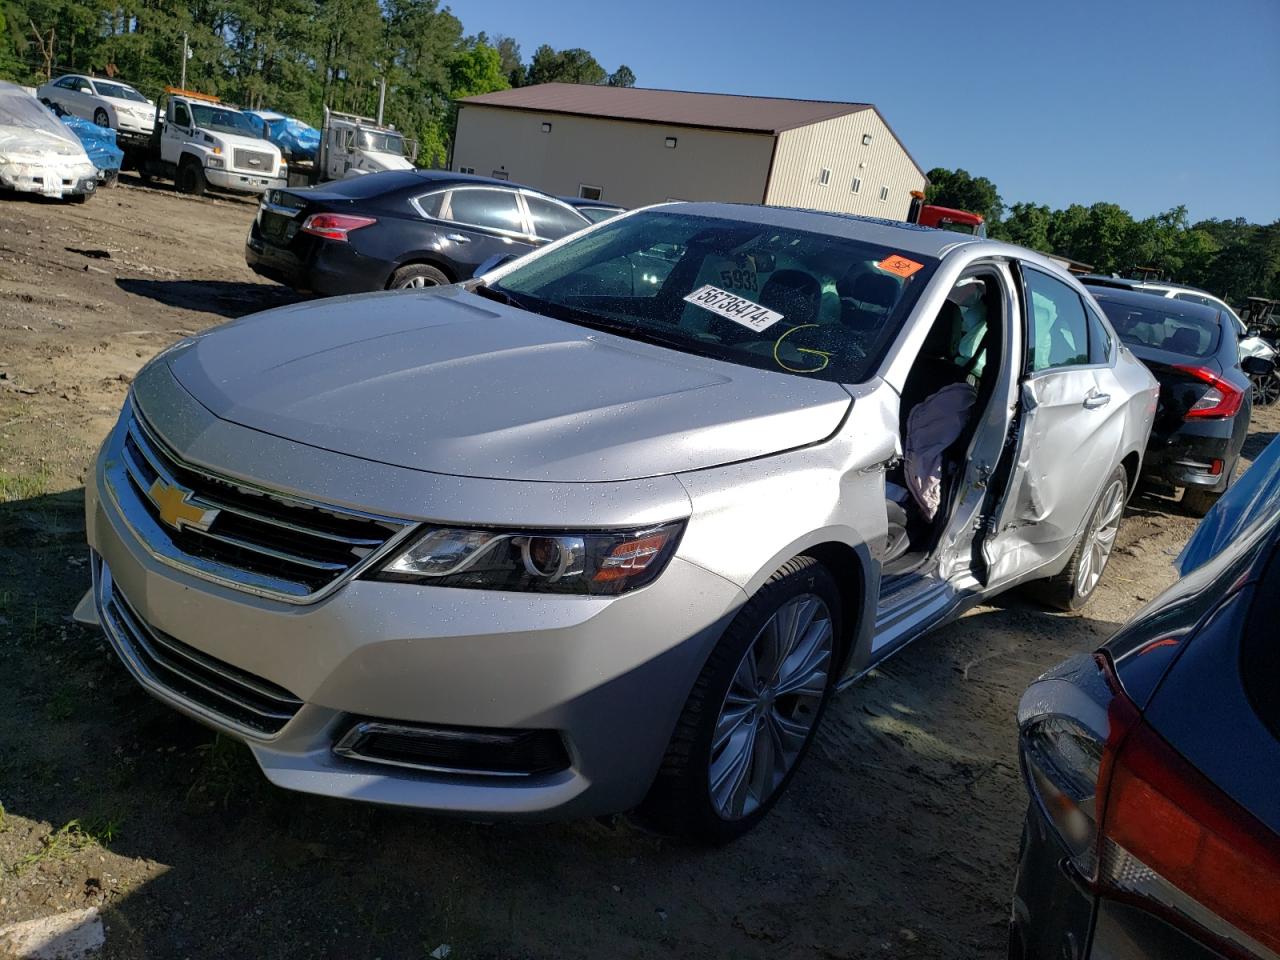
176, 508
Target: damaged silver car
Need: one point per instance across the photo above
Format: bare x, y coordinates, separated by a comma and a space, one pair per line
38, 152
605, 528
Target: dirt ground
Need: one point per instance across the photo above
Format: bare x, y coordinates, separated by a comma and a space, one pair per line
897, 838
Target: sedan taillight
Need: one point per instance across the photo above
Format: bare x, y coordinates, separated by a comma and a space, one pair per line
334, 226
1219, 401
1143, 825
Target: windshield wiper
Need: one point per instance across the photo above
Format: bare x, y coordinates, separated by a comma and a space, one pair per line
499, 296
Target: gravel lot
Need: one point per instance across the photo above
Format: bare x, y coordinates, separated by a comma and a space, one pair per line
898, 837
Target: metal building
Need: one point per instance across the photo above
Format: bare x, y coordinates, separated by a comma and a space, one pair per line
634, 146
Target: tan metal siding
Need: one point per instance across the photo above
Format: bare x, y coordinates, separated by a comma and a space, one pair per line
837, 146
627, 159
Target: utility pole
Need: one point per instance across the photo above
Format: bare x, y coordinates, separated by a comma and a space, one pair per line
382, 98
186, 52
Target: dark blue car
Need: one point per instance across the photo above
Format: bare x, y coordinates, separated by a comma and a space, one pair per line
1154, 764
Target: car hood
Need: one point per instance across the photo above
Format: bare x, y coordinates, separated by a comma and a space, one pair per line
452, 383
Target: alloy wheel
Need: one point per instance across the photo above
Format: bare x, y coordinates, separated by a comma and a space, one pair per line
414, 283
771, 706
1266, 390
1102, 538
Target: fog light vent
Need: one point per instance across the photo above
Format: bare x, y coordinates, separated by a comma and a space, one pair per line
469, 751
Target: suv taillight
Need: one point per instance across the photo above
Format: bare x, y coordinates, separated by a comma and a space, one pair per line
1219, 401
1143, 825
334, 226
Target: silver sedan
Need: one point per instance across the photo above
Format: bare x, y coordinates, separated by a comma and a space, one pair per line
605, 528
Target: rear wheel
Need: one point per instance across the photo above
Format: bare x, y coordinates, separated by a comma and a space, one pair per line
416, 276
1266, 389
1072, 588
100, 118
753, 710
191, 179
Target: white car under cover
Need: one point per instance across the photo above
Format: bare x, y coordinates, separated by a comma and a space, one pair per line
38, 153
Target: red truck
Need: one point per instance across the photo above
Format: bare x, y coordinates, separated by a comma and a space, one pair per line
944, 218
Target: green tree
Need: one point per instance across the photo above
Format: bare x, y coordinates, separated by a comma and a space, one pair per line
1027, 225
959, 189
512, 65
622, 77
565, 66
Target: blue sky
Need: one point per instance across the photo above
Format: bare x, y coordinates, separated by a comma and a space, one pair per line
1145, 103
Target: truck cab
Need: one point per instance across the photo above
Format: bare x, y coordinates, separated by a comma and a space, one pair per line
352, 145
202, 142
944, 218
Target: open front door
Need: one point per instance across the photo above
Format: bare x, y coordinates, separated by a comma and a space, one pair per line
1068, 433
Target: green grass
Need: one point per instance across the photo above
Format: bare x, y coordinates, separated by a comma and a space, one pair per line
23, 486
226, 769
69, 839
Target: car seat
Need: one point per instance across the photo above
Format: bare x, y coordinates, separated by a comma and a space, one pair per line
794, 294
1185, 341
865, 300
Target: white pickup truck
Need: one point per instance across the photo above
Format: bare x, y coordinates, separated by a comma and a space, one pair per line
200, 142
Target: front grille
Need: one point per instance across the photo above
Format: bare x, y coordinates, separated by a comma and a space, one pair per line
228, 531
253, 161
455, 750
232, 696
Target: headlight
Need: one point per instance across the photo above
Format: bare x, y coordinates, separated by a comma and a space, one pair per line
595, 562
215, 162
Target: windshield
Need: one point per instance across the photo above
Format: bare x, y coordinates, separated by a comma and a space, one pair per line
223, 120
1163, 329
119, 91
382, 142
797, 302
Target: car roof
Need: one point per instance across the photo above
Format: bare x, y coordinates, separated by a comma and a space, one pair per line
907, 237
584, 202
1142, 298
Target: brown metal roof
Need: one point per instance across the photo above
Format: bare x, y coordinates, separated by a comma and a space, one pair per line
719, 111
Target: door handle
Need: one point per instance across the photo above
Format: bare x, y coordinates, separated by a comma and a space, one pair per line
1095, 399
457, 238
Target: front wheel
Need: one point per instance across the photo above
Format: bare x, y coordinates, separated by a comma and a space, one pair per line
100, 118
753, 710
1072, 588
1266, 389
191, 179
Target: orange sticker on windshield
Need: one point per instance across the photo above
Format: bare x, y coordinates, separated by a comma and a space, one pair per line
899, 265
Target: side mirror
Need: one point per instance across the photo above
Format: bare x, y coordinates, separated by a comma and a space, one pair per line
1257, 366
493, 263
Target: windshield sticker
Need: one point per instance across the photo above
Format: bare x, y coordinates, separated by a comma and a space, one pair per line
899, 265
733, 307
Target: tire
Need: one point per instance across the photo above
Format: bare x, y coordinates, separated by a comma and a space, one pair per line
417, 276
101, 118
191, 179
1266, 389
693, 796
1072, 588
80, 197
1198, 502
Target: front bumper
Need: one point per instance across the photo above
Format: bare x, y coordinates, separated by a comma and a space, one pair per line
50, 179
242, 182
610, 675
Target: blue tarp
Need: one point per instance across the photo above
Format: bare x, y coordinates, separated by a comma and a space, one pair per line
297, 138
98, 142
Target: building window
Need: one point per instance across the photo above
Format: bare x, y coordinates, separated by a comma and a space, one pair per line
588, 192
866, 139
546, 128
824, 176
670, 143
884, 194
466, 169
857, 185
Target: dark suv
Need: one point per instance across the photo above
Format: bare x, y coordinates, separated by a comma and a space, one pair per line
401, 228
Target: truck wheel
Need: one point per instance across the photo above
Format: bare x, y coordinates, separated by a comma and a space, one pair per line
100, 118
1072, 588
753, 710
191, 179
416, 276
